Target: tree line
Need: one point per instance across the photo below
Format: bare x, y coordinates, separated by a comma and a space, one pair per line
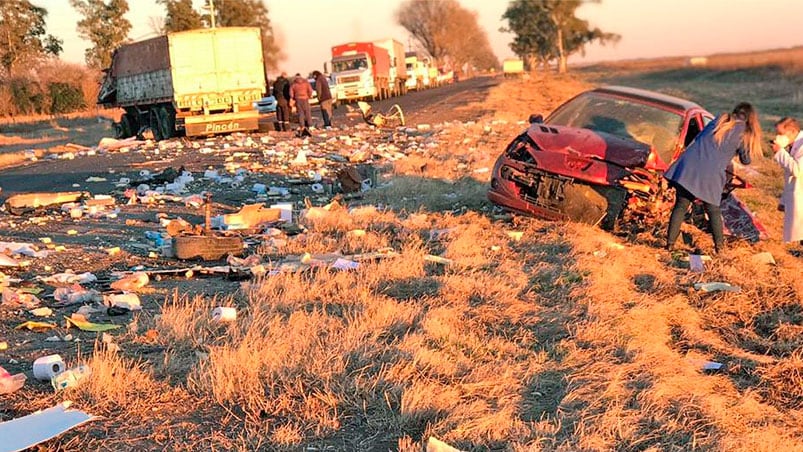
34, 81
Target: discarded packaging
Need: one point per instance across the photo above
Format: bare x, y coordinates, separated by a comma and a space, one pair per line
436, 445
10, 383
70, 377
132, 282
345, 264
27, 201
47, 367
28, 431
764, 258
35, 326
41, 312
224, 314
84, 325
129, 301
249, 217
717, 286
438, 259
696, 263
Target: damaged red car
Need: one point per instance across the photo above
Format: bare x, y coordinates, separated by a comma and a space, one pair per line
599, 159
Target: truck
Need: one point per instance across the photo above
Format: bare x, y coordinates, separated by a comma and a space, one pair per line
398, 68
418, 70
361, 71
512, 67
195, 82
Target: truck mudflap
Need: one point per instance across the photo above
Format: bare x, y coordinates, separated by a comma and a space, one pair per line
221, 123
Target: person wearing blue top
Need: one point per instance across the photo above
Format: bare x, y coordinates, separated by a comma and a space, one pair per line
701, 171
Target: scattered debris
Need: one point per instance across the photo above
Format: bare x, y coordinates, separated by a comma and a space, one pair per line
28, 431
10, 383
70, 377
436, 445
82, 324
764, 258
696, 263
716, 287
223, 314
47, 367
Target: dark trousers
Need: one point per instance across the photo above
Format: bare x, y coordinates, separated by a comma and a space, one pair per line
326, 112
283, 115
683, 199
304, 114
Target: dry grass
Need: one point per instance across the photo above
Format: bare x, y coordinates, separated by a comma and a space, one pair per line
568, 339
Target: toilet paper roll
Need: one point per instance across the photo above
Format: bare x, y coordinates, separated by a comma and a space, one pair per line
317, 188
224, 314
46, 367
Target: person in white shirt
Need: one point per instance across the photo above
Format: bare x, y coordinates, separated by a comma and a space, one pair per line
788, 147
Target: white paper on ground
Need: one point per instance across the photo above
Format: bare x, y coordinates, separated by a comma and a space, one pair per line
345, 264
696, 263
28, 431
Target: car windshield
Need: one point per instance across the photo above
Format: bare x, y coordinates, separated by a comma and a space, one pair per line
350, 64
624, 118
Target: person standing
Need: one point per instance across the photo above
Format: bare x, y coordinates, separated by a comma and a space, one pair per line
324, 97
281, 91
788, 147
301, 92
701, 171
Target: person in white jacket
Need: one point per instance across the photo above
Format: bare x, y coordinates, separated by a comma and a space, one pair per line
788, 147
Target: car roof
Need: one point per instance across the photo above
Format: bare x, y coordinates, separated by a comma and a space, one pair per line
666, 100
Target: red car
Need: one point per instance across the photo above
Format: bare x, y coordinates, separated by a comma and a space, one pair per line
599, 157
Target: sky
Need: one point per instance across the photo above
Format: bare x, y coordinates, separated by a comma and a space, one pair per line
308, 29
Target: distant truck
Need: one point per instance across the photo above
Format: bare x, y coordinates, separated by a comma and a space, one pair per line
196, 82
419, 71
361, 71
512, 67
398, 68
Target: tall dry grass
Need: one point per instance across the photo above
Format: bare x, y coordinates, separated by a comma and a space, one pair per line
567, 339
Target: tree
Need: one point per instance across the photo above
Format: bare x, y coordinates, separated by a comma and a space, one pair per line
447, 31
105, 26
22, 34
181, 16
549, 29
250, 13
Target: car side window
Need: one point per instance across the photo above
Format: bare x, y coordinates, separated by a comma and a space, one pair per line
692, 131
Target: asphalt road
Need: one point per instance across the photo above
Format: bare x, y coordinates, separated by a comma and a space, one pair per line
429, 106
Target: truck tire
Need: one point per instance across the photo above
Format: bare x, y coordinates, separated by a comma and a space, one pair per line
166, 122
125, 127
153, 124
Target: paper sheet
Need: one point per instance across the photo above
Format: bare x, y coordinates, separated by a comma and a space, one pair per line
28, 431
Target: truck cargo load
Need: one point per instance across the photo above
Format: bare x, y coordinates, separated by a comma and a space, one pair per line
196, 82
361, 70
512, 67
398, 69
421, 73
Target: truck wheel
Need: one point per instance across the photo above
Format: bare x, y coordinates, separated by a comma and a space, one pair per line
166, 123
125, 127
153, 123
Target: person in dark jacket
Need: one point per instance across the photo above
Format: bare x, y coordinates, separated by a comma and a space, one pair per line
701, 171
301, 92
281, 91
324, 97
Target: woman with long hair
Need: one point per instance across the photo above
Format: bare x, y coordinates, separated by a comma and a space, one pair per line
701, 171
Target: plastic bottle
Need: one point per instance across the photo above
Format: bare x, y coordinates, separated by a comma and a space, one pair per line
70, 378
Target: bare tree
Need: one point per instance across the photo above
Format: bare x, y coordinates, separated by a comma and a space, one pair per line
448, 32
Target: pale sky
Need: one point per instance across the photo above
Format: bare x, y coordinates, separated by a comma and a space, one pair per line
649, 28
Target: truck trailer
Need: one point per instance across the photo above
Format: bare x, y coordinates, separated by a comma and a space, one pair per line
361, 70
420, 71
196, 82
398, 68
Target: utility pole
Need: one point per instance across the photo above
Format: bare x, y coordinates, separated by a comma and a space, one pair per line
210, 6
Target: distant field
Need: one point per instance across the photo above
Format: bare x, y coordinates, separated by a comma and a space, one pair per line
771, 80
